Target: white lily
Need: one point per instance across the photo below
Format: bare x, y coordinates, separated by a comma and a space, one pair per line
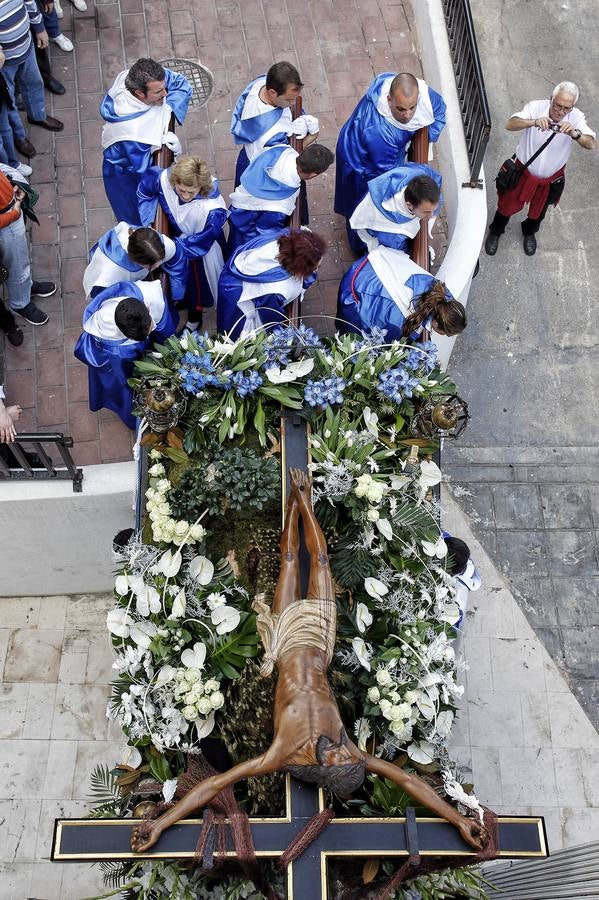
179, 605
165, 675
444, 722
385, 528
142, 633
224, 348
371, 421
361, 651
169, 788
425, 705
363, 732
121, 585
292, 372
131, 757
430, 474
119, 622
363, 617
194, 658
422, 752
226, 618
170, 563
375, 588
399, 481
204, 726
147, 600
436, 548
201, 568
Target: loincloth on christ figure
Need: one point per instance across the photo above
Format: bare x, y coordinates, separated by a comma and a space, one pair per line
304, 623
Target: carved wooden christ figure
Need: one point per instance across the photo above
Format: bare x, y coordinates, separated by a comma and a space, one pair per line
309, 740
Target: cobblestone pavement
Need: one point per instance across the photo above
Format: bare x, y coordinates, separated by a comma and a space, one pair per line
526, 469
338, 45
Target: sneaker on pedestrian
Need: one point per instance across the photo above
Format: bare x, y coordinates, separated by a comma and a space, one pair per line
62, 41
81, 5
43, 289
32, 314
14, 335
24, 169
58, 9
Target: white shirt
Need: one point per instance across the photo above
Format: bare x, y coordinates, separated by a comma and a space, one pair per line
558, 152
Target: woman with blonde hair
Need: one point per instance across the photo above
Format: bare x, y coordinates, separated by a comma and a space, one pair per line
191, 199
387, 290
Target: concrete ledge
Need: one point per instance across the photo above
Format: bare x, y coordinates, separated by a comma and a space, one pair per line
466, 208
57, 542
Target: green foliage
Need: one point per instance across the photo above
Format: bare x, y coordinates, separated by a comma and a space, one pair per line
233, 479
351, 564
231, 650
105, 794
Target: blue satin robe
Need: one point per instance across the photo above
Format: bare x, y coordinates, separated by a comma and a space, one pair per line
126, 161
369, 145
110, 362
247, 131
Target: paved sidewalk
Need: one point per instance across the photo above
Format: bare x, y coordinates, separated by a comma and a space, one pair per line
338, 45
526, 468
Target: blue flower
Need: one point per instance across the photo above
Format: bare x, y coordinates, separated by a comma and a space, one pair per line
196, 371
397, 384
282, 340
372, 340
325, 392
246, 384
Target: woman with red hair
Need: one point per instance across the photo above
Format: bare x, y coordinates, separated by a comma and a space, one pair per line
263, 277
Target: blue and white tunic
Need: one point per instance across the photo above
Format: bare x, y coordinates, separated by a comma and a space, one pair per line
382, 216
256, 124
381, 290
133, 130
109, 263
108, 354
198, 226
266, 196
372, 141
254, 288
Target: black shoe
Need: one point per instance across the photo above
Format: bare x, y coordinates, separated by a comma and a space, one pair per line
43, 289
491, 244
530, 244
32, 314
49, 123
14, 335
25, 147
54, 86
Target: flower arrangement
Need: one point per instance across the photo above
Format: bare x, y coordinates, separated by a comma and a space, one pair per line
182, 625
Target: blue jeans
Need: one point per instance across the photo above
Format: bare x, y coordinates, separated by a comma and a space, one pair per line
8, 154
32, 89
51, 24
14, 254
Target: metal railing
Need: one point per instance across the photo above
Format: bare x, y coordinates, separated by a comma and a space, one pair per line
470, 83
25, 467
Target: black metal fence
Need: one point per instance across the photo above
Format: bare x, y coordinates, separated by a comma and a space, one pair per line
470, 82
27, 458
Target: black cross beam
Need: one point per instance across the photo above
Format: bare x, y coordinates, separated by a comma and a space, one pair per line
95, 840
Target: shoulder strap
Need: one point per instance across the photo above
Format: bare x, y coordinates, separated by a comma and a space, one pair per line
540, 150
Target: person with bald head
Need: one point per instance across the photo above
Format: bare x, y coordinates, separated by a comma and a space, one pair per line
376, 136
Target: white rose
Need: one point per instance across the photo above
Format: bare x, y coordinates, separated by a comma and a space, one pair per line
204, 706
192, 676
217, 700
372, 515
156, 470
181, 528
197, 532
211, 686
189, 713
383, 677
374, 695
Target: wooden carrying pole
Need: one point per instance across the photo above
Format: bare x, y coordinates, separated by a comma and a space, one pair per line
419, 154
164, 157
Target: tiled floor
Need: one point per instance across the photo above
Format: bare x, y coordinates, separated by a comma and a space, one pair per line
338, 45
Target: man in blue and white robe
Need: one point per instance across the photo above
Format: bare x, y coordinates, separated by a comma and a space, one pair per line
385, 216
254, 288
381, 291
137, 111
110, 262
109, 354
376, 136
262, 116
269, 189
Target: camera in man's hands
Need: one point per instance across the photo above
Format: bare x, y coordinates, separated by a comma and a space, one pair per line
554, 126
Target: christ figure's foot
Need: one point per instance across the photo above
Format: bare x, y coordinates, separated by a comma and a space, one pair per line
145, 836
302, 482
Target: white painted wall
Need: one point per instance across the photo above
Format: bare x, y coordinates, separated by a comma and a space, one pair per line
466, 208
54, 541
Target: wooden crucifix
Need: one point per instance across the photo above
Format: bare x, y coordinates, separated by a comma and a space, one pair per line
326, 756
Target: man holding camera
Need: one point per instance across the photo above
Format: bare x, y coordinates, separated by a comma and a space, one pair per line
542, 182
